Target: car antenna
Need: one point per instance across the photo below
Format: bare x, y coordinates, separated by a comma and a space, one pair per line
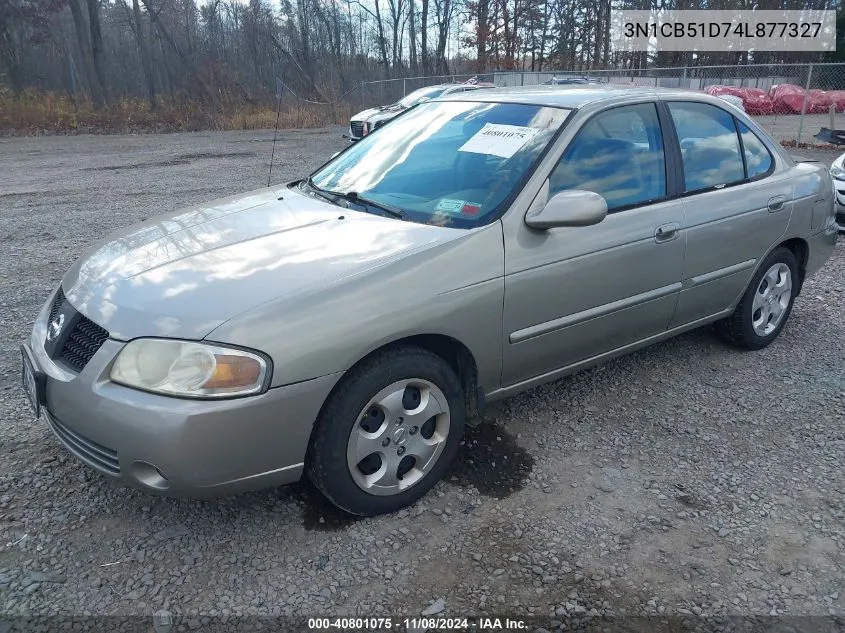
280, 89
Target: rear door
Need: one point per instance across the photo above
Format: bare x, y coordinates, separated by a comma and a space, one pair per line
737, 205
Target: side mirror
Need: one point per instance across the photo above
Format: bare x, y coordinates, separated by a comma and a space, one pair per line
574, 207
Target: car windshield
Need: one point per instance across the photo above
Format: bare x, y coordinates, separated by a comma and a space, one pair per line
432, 92
450, 163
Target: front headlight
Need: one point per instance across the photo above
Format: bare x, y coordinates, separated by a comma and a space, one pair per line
837, 172
189, 369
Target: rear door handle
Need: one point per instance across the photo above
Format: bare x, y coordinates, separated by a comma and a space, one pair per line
666, 232
776, 203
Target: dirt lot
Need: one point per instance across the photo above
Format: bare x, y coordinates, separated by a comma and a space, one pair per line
785, 127
682, 480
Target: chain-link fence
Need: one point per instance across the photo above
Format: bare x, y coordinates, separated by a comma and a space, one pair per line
793, 102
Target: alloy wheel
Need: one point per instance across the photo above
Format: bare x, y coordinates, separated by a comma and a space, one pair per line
398, 437
771, 299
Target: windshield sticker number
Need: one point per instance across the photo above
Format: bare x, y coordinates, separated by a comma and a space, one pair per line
496, 139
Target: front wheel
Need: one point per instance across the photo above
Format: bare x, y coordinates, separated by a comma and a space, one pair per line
764, 308
388, 433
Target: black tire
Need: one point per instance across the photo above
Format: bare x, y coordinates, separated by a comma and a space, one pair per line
737, 329
326, 462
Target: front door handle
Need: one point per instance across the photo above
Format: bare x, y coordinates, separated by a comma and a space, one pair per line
776, 203
666, 232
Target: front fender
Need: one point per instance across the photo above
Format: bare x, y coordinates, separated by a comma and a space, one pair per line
455, 289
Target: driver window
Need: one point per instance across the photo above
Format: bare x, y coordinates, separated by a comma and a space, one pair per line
617, 154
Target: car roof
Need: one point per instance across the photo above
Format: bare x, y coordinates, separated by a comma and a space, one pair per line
574, 96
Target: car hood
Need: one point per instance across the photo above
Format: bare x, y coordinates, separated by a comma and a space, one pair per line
364, 115
184, 274
385, 115
377, 113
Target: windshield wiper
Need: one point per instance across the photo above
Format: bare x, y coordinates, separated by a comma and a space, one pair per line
325, 195
352, 196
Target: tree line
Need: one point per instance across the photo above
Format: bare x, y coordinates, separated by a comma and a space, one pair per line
248, 51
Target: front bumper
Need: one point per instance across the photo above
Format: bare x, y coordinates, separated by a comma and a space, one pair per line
177, 446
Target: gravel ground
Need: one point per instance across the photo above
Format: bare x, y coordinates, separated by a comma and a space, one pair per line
687, 478
785, 127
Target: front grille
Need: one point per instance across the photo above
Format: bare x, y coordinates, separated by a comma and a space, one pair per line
82, 343
57, 303
357, 128
95, 455
84, 339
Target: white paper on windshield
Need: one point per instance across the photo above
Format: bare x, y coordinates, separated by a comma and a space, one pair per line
497, 139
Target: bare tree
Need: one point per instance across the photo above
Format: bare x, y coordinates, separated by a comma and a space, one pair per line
81, 20
225, 52
137, 25
397, 11
444, 12
412, 36
426, 63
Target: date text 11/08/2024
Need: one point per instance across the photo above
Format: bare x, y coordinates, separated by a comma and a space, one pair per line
418, 624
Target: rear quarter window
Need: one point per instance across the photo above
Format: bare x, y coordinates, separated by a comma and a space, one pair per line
758, 159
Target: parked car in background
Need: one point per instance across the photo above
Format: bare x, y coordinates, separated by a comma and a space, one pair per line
837, 171
367, 120
344, 326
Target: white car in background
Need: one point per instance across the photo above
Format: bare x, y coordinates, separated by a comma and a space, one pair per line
837, 172
368, 120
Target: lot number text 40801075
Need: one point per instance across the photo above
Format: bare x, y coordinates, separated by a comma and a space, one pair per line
418, 623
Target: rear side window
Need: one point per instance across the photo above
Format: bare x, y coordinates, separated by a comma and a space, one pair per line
617, 154
710, 148
758, 159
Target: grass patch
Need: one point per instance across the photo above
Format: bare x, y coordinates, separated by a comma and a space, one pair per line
36, 112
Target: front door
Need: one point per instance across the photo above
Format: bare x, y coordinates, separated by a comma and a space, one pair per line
574, 293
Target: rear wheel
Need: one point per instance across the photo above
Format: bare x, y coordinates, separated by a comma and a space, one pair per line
764, 308
388, 433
